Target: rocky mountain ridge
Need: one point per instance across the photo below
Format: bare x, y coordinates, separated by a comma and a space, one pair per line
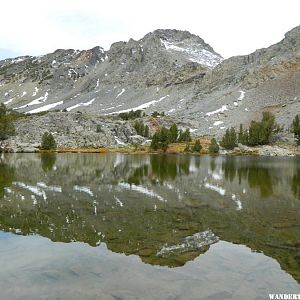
167, 70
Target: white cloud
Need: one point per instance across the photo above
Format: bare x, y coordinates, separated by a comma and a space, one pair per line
231, 27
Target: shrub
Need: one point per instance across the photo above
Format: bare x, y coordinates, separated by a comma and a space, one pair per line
155, 114
99, 128
187, 148
197, 146
48, 141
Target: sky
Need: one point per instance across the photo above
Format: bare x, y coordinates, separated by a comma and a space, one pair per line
231, 27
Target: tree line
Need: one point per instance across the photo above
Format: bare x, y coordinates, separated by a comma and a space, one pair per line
258, 133
165, 136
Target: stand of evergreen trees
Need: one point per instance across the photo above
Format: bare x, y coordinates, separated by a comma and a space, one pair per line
131, 115
229, 140
156, 114
141, 129
259, 133
7, 127
162, 138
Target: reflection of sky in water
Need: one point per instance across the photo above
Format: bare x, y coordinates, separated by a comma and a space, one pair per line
34, 266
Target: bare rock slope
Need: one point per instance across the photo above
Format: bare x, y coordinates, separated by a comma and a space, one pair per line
167, 70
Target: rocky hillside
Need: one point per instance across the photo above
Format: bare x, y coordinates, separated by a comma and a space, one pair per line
167, 70
132, 74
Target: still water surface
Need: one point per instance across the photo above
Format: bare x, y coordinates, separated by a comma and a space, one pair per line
113, 226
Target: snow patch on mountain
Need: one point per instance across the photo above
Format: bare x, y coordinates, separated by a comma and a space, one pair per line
140, 107
45, 107
220, 110
192, 52
242, 95
121, 93
81, 104
35, 102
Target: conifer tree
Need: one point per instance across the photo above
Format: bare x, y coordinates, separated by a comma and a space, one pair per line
213, 147
7, 127
296, 128
48, 141
173, 133
155, 141
229, 139
146, 131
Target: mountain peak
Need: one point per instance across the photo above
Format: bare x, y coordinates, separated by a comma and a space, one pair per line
185, 45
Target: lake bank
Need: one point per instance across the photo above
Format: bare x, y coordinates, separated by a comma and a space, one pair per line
177, 148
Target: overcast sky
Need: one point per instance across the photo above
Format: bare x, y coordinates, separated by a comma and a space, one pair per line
231, 27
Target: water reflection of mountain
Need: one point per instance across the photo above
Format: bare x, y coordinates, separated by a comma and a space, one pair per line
165, 208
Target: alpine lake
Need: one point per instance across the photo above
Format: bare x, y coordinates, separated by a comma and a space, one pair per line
148, 226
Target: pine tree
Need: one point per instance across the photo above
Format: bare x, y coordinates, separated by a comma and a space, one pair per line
164, 138
260, 133
254, 133
7, 127
48, 141
146, 131
213, 147
155, 141
185, 136
229, 139
296, 128
173, 133
268, 126
233, 137
241, 136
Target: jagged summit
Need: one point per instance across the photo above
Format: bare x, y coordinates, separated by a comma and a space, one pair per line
185, 45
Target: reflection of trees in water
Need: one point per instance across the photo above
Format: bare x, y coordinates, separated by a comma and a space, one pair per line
139, 174
229, 168
296, 184
169, 166
261, 177
7, 174
162, 167
48, 161
213, 164
257, 176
